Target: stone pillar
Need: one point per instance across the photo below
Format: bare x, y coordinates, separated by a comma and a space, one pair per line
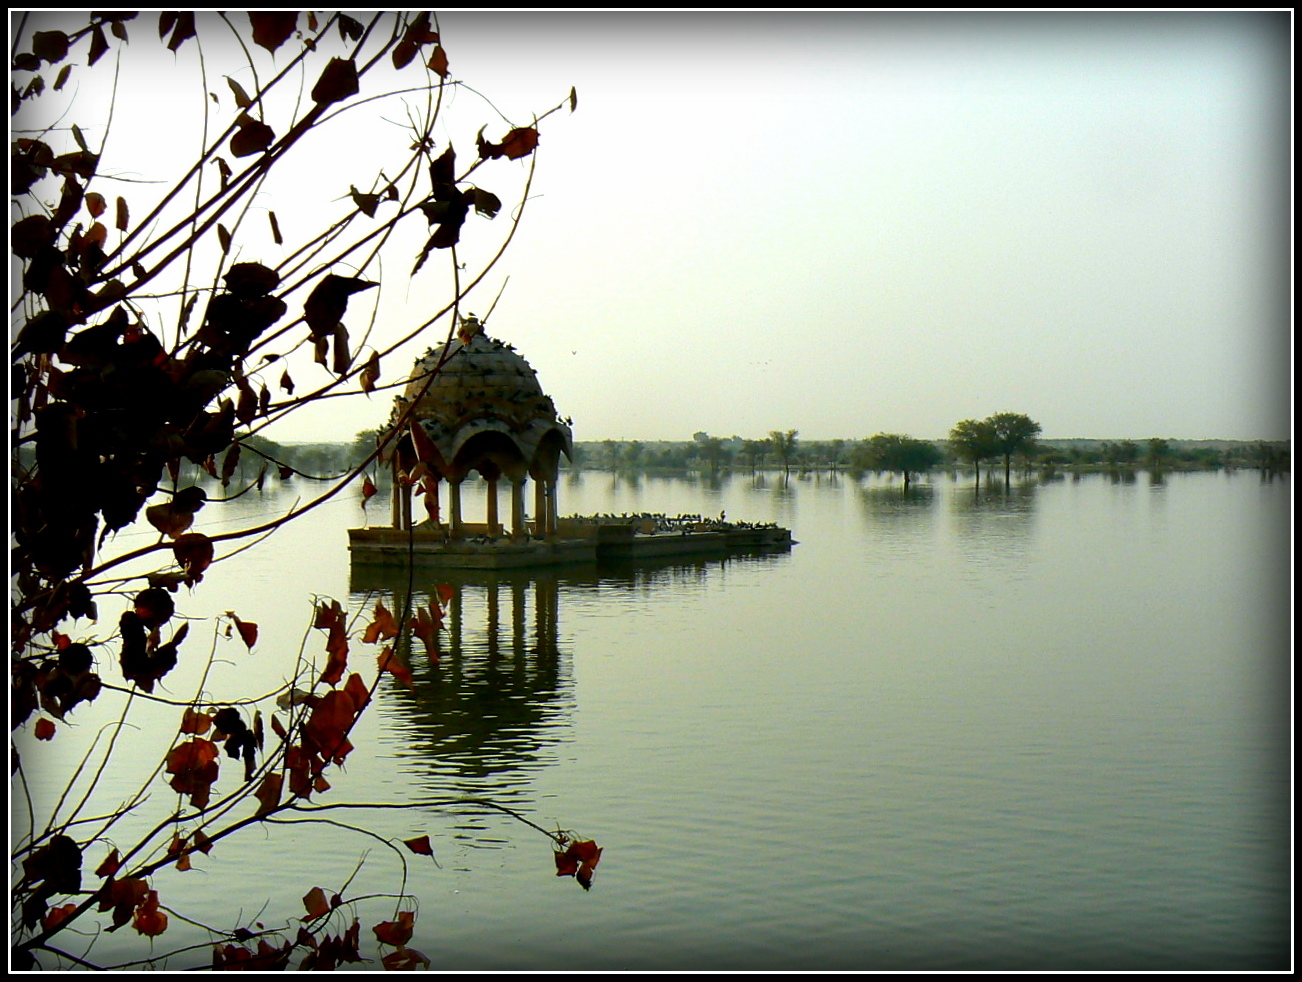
454, 505
493, 528
395, 506
540, 509
433, 499
517, 509
551, 507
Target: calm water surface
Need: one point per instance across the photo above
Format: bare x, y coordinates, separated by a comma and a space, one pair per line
1046, 728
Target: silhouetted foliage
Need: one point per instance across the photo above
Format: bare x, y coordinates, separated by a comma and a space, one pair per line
147, 356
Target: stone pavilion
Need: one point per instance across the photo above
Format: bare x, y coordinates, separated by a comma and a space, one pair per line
475, 405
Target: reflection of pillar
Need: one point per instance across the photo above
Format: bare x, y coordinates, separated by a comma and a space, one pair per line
454, 619
454, 505
517, 618
540, 509
546, 604
517, 509
492, 507
493, 619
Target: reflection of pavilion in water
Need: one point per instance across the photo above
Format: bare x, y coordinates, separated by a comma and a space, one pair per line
502, 696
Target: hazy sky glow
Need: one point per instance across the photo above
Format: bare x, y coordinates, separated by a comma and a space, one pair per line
852, 223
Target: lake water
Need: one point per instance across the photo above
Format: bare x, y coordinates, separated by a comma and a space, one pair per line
1048, 728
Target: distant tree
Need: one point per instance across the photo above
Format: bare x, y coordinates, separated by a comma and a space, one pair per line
633, 454
1272, 458
611, 450
1013, 434
711, 451
1159, 452
1125, 452
973, 441
753, 451
903, 454
784, 445
834, 451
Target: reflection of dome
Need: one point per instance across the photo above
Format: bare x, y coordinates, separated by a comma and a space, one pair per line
481, 410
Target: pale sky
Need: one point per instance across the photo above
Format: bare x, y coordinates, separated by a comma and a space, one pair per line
853, 223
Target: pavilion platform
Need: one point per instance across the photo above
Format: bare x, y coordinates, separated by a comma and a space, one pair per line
575, 541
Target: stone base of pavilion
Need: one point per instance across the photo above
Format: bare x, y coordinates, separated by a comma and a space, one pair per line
575, 541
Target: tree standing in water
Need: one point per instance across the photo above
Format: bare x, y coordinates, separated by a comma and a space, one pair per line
1014, 434
784, 446
974, 441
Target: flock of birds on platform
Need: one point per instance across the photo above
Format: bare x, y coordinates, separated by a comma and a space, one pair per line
675, 523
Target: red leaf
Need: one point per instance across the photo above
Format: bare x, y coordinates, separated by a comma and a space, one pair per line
329, 723
328, 302
95, 204
438, 62
396, 932
45, 729
358, 690
248, 630
110, 864
389, 663
420, 845
404, 959
194, 723
154, 606
338, 81
272, 28
184, 20
194, 768
50, 46
193, 552
252, 137
371, 373
56, 916
150, 921
426, 627
331, 619
520, 142
382, 627
268, 793
579, 860
98, 45
316, 904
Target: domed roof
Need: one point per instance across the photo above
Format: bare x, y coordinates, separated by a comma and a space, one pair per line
484, 385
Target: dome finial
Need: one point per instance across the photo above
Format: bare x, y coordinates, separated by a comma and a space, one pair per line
470, 326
